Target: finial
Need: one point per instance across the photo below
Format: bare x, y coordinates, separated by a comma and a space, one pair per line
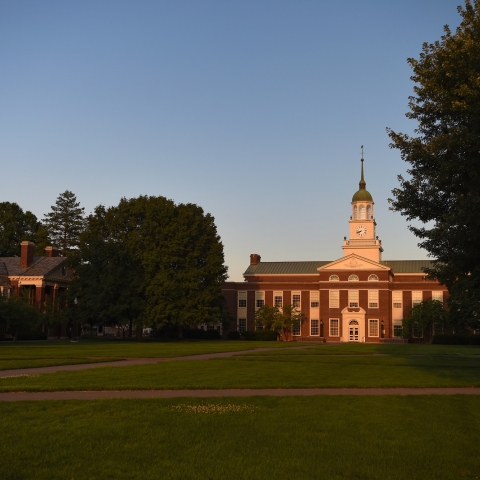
362, 152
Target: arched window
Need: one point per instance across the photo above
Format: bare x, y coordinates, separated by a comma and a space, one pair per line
355, 212
353, 322
334, 278
362, 213
369, 212
353, 278
373, 278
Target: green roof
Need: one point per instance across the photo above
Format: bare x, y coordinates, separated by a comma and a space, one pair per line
310, 268
285, 268
408, 266
362, 196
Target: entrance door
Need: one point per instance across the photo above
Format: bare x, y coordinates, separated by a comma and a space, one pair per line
353, 334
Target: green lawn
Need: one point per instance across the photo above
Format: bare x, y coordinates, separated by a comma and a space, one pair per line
446, 367
249, 438
43, 354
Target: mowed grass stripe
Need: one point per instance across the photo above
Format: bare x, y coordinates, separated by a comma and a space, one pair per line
398, 438
267, 372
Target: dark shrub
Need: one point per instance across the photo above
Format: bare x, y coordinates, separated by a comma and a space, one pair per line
233, 335
32, 336
465, 339
265, 335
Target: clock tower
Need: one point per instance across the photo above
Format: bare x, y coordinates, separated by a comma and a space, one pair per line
362, 240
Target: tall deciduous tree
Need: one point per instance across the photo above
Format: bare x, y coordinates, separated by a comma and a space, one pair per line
15, 226
65, 222
443, 189
168, 257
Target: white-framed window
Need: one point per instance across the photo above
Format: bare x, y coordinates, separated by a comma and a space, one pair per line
296, 330
373, 278
334, 298
353, 298
397, 299
259, 299
242, 324
314, 327
476, 331
353, 278
373, 299
314, 299
397, 330
242, 299
362, 213
436, 295
417, 297
373, 327
296, 299
334, 330
334, 278
417, 331
278, 299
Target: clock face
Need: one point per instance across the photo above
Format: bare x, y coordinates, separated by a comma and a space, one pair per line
361, 230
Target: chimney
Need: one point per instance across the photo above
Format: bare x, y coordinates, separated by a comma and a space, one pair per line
254, 259
51, 252
27, 249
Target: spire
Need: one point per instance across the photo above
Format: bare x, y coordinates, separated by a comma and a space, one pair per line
362, 184
362, 195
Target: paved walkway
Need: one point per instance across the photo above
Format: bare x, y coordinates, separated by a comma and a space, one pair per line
247, 392
128, 362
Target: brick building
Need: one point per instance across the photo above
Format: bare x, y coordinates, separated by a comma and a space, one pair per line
42, 278
357, 298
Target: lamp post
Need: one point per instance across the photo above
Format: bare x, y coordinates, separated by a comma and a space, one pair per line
321, 328
383, 329
74, 336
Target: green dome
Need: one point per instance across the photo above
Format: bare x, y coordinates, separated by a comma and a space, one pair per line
362, 196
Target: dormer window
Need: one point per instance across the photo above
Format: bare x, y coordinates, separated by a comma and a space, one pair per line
373, 278
353, 278
334, 278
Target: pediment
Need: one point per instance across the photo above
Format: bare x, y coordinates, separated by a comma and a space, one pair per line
353, 262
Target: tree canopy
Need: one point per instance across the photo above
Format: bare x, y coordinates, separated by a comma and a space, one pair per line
15, 226
442, 190
282, 321
65, 222
151, 261
423, 316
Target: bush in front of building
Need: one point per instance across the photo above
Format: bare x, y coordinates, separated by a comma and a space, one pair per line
462, 339
259, 335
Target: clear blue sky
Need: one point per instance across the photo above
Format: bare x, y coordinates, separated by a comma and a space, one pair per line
254, 110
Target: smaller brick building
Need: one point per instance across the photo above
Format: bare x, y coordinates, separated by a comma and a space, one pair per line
357, 298
42, 278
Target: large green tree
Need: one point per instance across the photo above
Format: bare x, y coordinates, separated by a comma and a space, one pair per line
15, 226
65, 222
442, 190
166, 257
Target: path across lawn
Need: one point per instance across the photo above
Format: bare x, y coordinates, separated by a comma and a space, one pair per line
19, 372
247, 392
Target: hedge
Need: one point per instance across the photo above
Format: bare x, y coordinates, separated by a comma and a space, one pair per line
465, 339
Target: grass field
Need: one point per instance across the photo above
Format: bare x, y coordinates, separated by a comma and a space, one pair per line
249, 438
44, 354
344, 437
345, 366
